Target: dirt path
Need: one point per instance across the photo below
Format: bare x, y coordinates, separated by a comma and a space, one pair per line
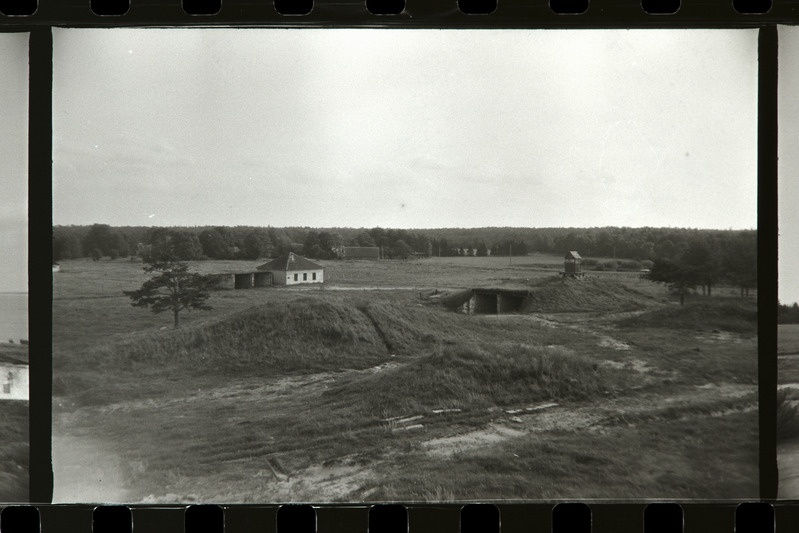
591, 418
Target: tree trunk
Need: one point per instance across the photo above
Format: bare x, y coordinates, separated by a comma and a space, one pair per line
709, 289
177, 318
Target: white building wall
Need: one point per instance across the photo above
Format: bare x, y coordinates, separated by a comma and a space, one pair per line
13, 382
304, 276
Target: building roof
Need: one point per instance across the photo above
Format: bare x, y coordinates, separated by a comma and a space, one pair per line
290, 261
573, 255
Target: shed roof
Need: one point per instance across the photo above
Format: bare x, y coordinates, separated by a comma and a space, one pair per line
290, 261
573, 255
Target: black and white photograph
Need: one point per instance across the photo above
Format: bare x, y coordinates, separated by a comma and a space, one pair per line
788, 263
14, 410
370, 265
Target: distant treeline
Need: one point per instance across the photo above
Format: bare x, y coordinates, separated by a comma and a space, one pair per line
787, 314
247, 242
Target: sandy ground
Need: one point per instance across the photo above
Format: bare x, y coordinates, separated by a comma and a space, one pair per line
591, 418
86, 470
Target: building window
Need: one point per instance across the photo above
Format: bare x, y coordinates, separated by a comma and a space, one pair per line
304, 276
314, 276
6, 388
295, 277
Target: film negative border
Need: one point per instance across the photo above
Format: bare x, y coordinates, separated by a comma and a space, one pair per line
748, 517
604, 517
401, 13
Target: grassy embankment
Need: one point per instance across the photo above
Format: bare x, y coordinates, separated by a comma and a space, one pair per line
292, 384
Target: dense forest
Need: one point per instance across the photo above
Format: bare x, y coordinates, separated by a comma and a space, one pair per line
684, 258
787, 314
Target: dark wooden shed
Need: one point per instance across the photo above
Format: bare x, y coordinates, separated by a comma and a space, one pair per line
571, 264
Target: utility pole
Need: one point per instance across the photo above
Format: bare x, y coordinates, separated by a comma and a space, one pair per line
510, 253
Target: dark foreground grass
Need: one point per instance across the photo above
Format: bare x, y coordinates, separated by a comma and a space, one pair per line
14, 465
725, 314
478, 377
678, 459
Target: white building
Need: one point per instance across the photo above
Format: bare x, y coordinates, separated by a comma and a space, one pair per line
293, 269
13, 377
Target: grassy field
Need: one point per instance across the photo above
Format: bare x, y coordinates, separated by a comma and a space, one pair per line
14, 439
371, 389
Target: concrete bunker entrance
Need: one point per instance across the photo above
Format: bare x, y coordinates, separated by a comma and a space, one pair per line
497, 301
510, 303
485, 304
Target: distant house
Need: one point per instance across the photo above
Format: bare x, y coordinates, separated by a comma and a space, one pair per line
56, 267
293, 269
13, 376
359, 252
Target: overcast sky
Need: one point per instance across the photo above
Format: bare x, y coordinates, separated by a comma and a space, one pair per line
14, 162
788, 166
405, 128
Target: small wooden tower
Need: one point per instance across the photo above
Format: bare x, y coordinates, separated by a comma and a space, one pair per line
571, 265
